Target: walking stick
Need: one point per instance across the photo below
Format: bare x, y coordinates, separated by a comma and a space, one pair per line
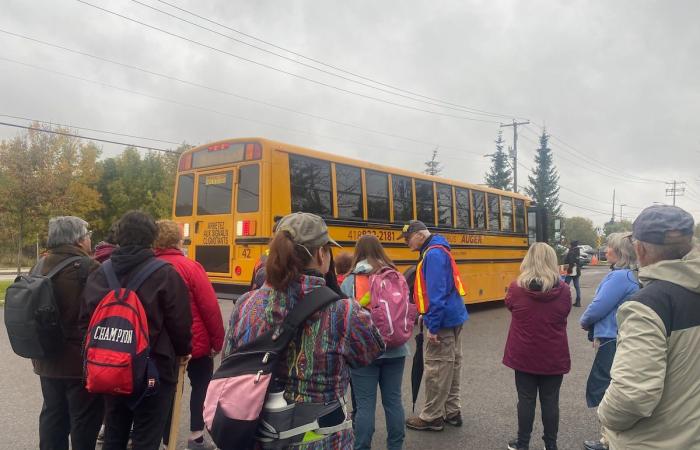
175, 422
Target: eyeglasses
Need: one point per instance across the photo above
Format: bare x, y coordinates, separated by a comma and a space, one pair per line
88, 234
631, 238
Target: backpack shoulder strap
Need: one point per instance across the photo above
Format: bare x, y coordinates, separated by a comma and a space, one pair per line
316, 300
62, 265
144, 273
110, 274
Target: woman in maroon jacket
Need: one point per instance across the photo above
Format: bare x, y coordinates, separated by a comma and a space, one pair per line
537, 347
207, 325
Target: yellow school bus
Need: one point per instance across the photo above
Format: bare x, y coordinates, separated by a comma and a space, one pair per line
228, 194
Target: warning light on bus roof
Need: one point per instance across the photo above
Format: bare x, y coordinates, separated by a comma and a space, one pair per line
217, 147
253, 151
185, 162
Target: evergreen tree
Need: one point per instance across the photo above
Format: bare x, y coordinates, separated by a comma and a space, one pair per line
544, 183
433, 167
500, 174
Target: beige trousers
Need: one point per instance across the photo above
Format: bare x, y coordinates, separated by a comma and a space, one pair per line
442, 374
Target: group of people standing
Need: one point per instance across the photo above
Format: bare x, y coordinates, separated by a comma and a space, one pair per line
644, 322
184, 323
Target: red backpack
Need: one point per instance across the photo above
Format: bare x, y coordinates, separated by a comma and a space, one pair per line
389, 303
116, 353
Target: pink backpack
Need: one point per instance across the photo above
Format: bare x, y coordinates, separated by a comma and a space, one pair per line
392, 312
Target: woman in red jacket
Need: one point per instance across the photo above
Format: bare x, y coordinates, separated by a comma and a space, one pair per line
207, 326
537, 347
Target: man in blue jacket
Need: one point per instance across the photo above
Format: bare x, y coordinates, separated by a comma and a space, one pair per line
438, 298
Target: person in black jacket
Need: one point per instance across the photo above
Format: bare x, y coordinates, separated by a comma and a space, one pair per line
573, 269
166, 302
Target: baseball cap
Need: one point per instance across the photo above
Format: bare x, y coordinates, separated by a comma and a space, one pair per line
663, 224
306, 229
411, 227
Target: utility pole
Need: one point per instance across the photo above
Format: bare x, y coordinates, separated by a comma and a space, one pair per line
677, 190
621, 216
515, 149
613, 210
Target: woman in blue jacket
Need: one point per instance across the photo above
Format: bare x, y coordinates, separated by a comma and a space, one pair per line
600, 318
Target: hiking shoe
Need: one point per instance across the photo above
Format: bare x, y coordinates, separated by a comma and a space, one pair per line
192, 444
416, 423
513, 445
455, 419
594, 445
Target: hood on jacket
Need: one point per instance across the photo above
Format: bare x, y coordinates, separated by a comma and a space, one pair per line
362, 267
549, 296
684, 272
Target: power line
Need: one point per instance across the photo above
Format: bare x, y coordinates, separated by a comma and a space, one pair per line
87, 137
466, 108
231, 94
89, 129
301, 77
327, 72
202, 108
597, 163
591, 168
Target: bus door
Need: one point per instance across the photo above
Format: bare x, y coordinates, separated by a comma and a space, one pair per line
213, 236
537, 225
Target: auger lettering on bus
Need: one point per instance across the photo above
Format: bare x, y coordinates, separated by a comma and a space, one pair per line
113, 334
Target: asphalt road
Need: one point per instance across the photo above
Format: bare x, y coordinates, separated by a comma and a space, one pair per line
488, 390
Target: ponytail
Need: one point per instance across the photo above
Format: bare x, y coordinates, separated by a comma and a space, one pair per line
286, 261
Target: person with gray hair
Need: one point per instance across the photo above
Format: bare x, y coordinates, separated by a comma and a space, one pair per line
653, 401
600, 317
68, 410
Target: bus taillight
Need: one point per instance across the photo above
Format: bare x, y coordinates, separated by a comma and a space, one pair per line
238, 271
245, 228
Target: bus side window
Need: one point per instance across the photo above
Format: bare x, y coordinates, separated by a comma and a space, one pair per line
507, 213
425, 202
310, 181
248, 188
403, 198
494, 212
462, 200
444, 193
349, 185
377, 196
185, 194
479, 210
519, 216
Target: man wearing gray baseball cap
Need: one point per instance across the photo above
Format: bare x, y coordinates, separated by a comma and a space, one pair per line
653, 401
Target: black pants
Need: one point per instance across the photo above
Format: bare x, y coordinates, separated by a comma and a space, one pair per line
528, 385
68, 410
148, 420
199, 371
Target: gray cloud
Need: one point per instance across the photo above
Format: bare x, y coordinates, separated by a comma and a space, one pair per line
615, 80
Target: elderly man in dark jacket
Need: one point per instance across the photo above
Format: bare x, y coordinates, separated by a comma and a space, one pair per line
68, 408
166, 302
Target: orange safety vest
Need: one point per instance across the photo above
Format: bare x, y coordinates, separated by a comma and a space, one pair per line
420, 292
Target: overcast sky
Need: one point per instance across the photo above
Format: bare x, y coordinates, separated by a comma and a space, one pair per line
616, 83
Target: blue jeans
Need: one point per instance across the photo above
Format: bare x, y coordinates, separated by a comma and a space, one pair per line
568, 279
386, 373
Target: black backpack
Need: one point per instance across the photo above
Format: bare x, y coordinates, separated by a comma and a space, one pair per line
32, 317
234, 403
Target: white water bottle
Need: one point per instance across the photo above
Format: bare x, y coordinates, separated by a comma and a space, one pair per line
275, 401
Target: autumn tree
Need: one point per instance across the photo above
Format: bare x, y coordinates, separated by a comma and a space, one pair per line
580, 229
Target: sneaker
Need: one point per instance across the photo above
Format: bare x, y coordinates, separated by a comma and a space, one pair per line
416, 423
594, 445
204, 445
513, 445
455, 419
